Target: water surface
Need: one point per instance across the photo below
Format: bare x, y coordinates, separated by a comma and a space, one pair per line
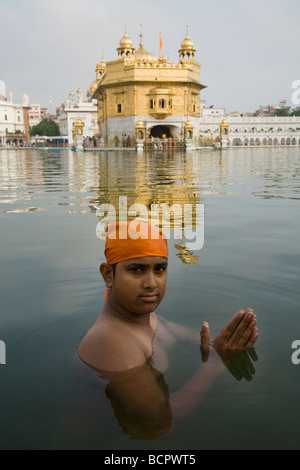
51, 291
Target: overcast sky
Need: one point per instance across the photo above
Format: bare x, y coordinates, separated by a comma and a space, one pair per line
248, 50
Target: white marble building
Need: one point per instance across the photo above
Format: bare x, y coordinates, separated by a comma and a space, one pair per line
211, 111
74, 108
252, 130
11, 115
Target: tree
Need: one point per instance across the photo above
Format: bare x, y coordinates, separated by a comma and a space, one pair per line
282, 112
45, 127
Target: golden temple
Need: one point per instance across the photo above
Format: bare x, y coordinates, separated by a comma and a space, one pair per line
141, 96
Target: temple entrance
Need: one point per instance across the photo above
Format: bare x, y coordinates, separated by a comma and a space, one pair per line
164, 138
160, 132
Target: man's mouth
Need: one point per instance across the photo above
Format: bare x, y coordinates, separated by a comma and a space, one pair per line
149, 298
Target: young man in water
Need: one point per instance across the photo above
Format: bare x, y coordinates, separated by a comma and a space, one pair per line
128, 344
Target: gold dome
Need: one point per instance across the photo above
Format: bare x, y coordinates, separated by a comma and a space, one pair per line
145, 57
79, 122
125, 48
224, 122
141, 55
140, 123
126, 42
93, 87
188, 123
187, 44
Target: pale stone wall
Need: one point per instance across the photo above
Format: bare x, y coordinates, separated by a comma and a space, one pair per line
88, 114
11, 117
254, 130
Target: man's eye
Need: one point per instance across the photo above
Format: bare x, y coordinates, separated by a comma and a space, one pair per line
160, 269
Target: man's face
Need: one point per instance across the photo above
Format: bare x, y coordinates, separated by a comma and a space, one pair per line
139, 284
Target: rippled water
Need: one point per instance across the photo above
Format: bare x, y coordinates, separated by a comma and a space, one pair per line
51, 291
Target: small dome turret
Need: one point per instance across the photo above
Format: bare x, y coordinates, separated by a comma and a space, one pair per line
126, 42
187, 51
125, 48
187, 44
224, 123
224, 127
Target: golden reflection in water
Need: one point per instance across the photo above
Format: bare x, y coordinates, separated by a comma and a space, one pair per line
163, 183
89, 179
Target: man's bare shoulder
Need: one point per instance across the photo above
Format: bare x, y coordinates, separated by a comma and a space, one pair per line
108, 346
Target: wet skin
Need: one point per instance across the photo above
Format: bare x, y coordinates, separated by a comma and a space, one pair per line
120, 342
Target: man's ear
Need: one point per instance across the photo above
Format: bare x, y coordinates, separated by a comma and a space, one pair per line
107, 274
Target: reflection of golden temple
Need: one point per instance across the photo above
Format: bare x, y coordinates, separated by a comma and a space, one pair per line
169, 181
185, 255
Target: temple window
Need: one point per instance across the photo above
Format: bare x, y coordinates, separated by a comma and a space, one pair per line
152, 104
119, 108
162, 103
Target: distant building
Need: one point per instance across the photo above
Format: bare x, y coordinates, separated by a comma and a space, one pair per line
34, 112
2, 91
14, 120
265, 111
281, 104
262, 128
34, 115
240, 114
254, 130
210, 111
74, 108
44, 113
271, 110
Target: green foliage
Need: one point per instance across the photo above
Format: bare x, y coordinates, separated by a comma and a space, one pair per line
296, 112
45, 127
282, 112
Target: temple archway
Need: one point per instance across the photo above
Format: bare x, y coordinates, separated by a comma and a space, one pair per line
237, 141
160, 131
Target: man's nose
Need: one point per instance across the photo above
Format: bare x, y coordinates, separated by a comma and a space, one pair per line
150, 281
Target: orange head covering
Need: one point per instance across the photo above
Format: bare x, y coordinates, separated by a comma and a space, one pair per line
133, 239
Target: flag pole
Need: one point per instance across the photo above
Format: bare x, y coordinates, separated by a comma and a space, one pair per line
160, 44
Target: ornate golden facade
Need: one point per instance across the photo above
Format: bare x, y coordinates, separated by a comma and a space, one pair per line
139, 87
